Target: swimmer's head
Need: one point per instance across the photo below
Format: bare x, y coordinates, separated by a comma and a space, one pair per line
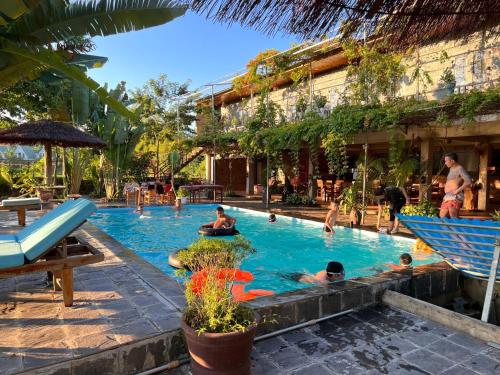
335, 271
405, 259
219, 211
272, 218
450, 159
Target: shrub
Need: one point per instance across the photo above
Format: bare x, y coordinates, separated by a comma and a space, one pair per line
423, 208
295, 199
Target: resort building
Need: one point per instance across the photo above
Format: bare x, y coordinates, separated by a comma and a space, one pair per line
433, 73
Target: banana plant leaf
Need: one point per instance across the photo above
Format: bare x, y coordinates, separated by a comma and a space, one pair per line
50, 22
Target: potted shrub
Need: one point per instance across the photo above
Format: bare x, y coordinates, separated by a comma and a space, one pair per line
349, 203
183, 194
219, 330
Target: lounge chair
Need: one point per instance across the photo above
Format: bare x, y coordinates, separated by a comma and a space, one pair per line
470, 246
21, 205
46, 246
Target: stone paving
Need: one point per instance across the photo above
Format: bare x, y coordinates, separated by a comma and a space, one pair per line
118, 301
376, 340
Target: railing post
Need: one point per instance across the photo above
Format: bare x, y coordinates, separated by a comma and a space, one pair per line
491, 282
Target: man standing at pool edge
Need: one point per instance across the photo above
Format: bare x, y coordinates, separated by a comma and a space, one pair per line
456, 181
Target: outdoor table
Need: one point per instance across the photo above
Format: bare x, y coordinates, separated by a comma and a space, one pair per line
196, 189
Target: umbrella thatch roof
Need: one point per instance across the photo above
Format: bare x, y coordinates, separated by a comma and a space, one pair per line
49, 132
402, 22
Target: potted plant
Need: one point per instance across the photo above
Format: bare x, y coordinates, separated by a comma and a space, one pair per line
183, 194
448, 80
219, 330
349, 203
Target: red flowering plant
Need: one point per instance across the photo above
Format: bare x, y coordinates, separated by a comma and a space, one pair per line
210, 305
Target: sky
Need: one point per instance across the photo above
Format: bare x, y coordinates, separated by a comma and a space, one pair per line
187, 48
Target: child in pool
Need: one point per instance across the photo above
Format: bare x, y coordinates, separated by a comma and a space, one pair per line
331, 218
405, 261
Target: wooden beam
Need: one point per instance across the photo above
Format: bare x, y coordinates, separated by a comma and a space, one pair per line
484, 161
426, 161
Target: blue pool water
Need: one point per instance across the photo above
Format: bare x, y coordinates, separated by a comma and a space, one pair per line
287, 246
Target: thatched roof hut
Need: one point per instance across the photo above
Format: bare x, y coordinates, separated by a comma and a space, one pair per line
49, 133
402, 22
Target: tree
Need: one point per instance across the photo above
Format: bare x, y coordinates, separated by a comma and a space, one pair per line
35, 35
167, 112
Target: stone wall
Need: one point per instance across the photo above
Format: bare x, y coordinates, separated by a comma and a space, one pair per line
291, 308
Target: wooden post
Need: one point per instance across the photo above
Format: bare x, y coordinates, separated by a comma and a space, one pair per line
21, 216
426, 151
484, 161
48, 165
67, 284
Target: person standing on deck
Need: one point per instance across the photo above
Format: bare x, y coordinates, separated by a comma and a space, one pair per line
397, 198
458, 179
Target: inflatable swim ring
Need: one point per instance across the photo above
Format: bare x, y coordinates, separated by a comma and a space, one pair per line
224, 275
173, 261
207, 230
240, 295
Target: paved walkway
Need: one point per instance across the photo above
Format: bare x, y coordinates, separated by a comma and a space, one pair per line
118, 301
377, 340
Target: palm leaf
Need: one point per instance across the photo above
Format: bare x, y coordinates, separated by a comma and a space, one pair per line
49, 23
49, 58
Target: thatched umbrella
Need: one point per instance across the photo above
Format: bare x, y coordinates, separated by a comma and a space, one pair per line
49, 133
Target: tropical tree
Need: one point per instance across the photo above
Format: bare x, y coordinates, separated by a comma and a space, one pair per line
38, 35
167, 112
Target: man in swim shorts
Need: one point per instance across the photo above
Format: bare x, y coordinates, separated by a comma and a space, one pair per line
457, 180
397, 198
334, 272
223, 220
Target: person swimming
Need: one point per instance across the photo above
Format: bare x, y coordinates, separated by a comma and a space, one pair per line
140, 209
405, 262
272, 218
334, 272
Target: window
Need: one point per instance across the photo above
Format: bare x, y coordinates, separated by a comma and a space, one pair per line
459, 70
478, 67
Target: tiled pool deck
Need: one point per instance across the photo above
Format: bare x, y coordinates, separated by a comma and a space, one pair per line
375, 340
126, 318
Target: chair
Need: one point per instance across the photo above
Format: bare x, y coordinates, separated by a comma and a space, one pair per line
150, 196
46, 246
320, 191
129, 190
21, 205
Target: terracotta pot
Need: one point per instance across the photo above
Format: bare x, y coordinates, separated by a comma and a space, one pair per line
220, 353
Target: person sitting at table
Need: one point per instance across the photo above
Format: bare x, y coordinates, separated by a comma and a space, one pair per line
223, 220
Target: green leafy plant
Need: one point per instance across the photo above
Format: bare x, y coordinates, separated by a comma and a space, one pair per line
348, 200
210, 305
496, 215
447, 78
295, 199
423, 208
182, 193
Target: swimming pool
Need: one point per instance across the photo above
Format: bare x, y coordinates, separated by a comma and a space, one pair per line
290, 245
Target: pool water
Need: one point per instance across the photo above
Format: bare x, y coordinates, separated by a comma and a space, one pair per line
288, 246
